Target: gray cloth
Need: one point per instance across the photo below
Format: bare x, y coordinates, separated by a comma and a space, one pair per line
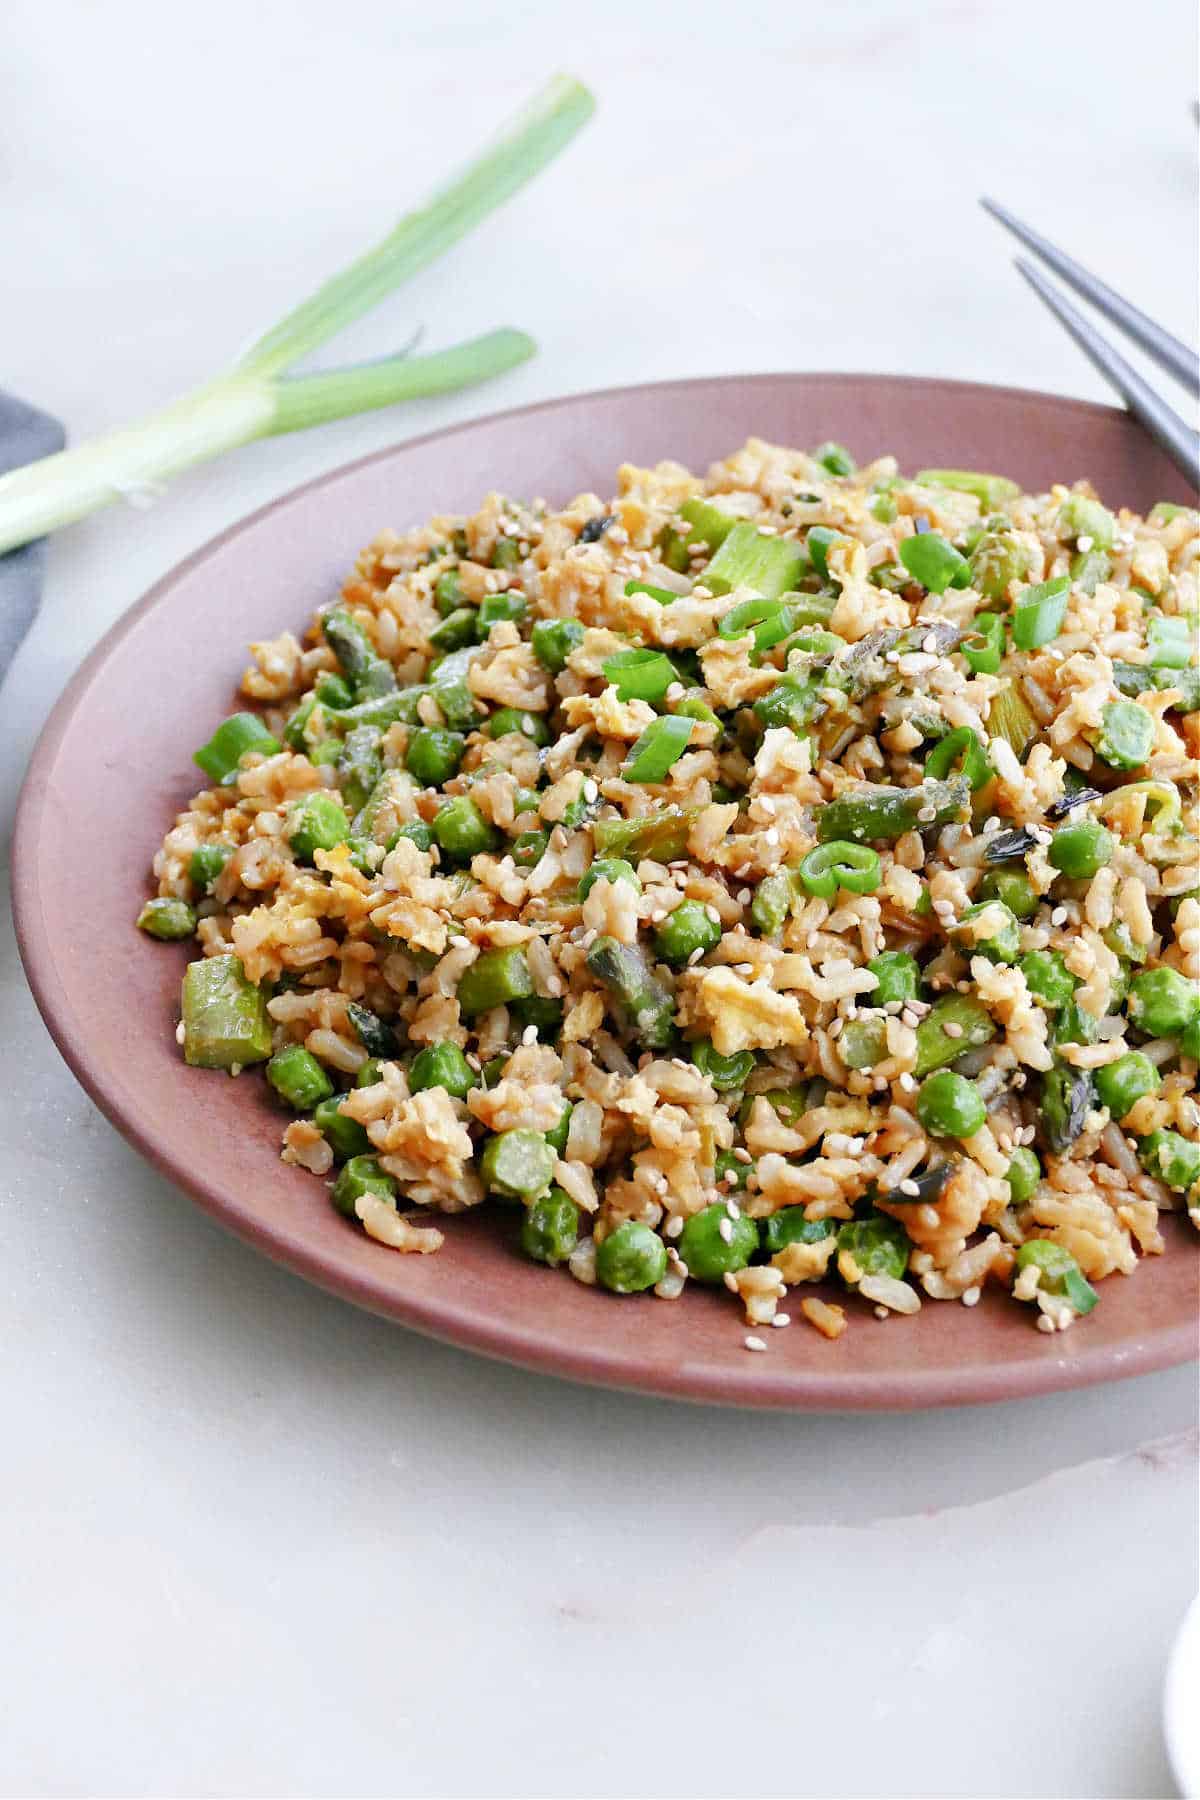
24, 436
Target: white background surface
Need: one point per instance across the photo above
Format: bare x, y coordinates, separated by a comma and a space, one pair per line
256, 1542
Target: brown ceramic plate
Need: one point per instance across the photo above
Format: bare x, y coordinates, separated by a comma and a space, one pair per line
114, 765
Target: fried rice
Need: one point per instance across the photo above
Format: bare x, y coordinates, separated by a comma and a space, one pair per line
783, 878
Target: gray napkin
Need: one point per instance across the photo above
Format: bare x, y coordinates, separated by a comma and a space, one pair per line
24, 435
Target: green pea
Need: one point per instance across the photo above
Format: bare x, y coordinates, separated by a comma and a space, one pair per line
631, 1259
1047, 977
1003, 943
1126, 735
685, 931
550, 1229
316, 822
1013, 888
1162, 1002
878, 1244
1170, 1158
167, 918
1081, 848
345, 1137
506, 553
518, 1165
726, 1163
1189, 1039
790, 1226
836, 458
1024, 1173
1060, 1273
206, 863
950, 1106
444, 1066
898, 975
1121, 1084
417, 832
714, 1244
221, 757
462, 831
553, 641
540, 1011
608, 868
726, 1073
528, 848
370, 1073
434, 755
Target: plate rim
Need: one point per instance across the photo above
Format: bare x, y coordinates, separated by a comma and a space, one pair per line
805, 1390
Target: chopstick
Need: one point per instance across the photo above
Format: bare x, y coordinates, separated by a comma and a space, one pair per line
1180, 441
1177, 358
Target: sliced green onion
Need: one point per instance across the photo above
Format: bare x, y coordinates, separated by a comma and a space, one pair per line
840, 864
640, 674
991, 491
817, 545
1039, 613
658, 749
984, 655
960, 753
664, 596
1171, 640
934, 562
709, 525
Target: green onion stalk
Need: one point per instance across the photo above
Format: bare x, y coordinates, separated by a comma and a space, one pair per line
257, 398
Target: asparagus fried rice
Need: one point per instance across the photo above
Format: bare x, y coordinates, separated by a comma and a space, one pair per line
785, 879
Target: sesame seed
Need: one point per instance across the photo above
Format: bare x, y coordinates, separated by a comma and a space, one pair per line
473, 1061
881, 1312
1059, 916
971, 1297
713, 914
741, 1154
952, 1028
927, 815
733, 1209
779, 1320
909, 1186
929, 644
590, 791
673, 1226
880, 1084
725, 1230
694, 958
730, 1281
529, 1035
1045, 1324
754, 1343
743, 896
675, 691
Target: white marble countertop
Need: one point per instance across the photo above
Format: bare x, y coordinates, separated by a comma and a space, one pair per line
257, 1542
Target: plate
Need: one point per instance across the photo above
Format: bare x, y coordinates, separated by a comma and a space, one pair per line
113, 766
1181, 1715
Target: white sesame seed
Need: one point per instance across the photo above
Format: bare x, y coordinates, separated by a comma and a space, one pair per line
880, 1084
881, 1312
713, 914
730, 1280
674, 692
590, 791
779, 1320
929, 644
741, 1154
952, 1029
733, 1209
743, 896
180, 1033
473, 1061
1045, 1324
673, 1226
754, 1343
927, 815
725, 1230
694, 958
1059, 916
909, 1186
971, 1297
529, 1035
908, 1082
